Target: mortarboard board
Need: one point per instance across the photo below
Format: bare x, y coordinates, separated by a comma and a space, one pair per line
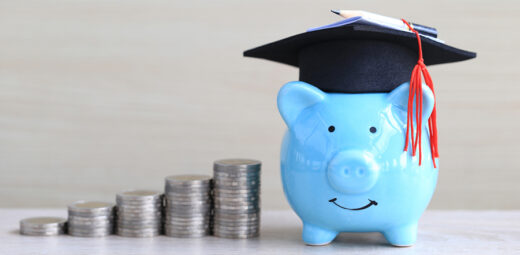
360, 56
357, 58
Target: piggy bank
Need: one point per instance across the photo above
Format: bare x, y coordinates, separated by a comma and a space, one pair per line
343, 164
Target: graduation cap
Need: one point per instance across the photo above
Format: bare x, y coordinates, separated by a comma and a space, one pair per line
368, 53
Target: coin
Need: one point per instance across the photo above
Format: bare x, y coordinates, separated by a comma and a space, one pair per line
90, 208
42, 226
237, 164
141, 233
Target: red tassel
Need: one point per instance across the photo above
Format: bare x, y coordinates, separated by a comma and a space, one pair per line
416, 92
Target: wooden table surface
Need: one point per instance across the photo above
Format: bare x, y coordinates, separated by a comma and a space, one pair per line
440, 232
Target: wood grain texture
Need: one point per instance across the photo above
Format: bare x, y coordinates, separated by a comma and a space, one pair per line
440, 232
97, 96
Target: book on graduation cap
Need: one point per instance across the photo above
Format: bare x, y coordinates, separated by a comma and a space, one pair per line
368, 18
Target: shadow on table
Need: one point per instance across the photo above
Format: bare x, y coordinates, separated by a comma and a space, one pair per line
293, 236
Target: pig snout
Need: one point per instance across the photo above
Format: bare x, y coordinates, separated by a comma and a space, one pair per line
352, 171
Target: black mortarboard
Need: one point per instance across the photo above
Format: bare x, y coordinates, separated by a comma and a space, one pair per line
357, 58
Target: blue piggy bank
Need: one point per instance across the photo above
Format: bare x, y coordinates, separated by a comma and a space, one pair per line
343, 164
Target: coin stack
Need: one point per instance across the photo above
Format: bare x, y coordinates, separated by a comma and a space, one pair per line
42, 226
91, 219
139, 213
237, 198
188, 205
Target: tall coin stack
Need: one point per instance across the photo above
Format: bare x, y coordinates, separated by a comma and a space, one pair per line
91, 219
139, 213
188, 205
42, 226
237, 198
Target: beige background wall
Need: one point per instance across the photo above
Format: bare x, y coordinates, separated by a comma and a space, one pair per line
97, 96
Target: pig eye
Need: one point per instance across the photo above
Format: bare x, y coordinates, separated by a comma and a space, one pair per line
373, 130
331, 129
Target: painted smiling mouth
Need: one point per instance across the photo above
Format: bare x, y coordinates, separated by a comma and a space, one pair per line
372, 202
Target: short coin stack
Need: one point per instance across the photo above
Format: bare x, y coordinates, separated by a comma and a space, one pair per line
188, 205
237, 198
139, 213
91, 219
42, 226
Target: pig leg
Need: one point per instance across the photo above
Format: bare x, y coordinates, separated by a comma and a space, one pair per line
313, 235
402, 235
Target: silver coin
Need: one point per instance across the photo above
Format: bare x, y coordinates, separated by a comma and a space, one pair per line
142, 219
133, 210
192, 207
136, 203
235, 232
137, 212
236, 227
40, 229
249, 206
100, 231
188, 203
241, 222
157, 203
249, 184
235, 174
173, 215
89, 232
237, 220
186, 213
137, 233
227, 190
90, 224
90, 227
120, 221
241, 164
224, 215
236, 203
85, 234
187, 228
143, 225
29, 232
90, 208
237, 211
174, 221
191, 195
188, 218
235, 235
43, 222
187, 224
178, 234
138, 218
237, 223
188, 180
235, 182
228, 199
187, 190
193, 229
127, 220
180, 221
177, 210
91, 218
139, 195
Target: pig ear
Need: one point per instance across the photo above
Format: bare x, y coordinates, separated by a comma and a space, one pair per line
399, 98
294, 97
